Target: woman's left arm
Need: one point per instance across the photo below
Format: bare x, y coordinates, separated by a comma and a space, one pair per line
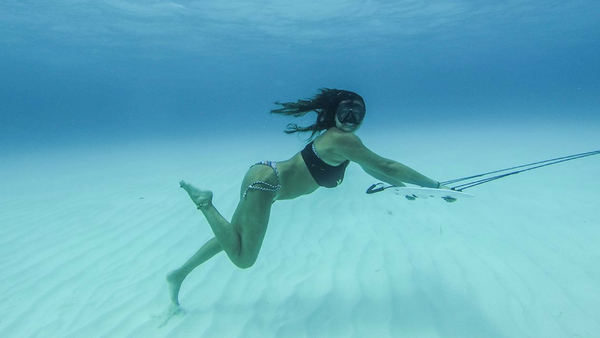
390, 171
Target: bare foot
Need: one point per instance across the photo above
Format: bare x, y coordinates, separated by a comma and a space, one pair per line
202, 198
174, 285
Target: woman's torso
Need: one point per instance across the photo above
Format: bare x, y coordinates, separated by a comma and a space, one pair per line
296, 178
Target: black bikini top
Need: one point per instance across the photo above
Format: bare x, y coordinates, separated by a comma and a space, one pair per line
324, 174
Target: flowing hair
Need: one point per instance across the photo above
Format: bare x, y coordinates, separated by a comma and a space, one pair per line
324, 103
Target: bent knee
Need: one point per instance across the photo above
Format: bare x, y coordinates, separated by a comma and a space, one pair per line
245, 263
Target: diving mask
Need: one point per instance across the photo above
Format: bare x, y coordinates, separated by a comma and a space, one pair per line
350, 112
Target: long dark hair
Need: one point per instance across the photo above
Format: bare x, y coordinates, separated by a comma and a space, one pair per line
325, 104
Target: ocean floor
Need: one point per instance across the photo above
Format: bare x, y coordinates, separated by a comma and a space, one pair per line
87, 235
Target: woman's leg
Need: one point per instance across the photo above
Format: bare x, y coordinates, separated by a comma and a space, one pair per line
176, 277
242, 238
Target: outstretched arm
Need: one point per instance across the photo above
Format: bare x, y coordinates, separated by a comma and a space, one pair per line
383, 178
397, 174
381, 168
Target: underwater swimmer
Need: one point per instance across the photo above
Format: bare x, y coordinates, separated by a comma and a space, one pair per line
321, 163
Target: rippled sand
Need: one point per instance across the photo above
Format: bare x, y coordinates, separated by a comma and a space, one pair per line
88, 234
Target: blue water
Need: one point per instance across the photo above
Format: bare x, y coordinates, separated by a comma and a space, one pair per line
97, 99
101, 71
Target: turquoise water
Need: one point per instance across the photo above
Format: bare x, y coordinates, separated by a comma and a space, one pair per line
106, 105
104, 71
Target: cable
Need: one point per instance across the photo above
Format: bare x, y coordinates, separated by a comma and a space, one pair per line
557, 160
379, 186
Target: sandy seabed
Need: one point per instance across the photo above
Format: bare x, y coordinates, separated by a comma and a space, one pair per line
87, 235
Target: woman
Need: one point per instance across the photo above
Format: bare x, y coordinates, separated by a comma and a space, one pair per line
321, 163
